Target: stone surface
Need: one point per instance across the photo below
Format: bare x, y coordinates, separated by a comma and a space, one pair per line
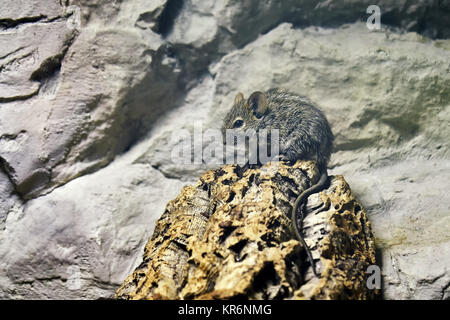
89, 85
29, 11
91, 107
230, 236
76, 242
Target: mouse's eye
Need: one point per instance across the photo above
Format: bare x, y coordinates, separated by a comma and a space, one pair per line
238, 123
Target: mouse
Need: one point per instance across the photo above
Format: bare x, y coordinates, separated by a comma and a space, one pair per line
304, 134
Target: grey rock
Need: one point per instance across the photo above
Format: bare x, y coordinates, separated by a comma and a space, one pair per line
80, 241
98, 85
29, 11
7, 198
28, 55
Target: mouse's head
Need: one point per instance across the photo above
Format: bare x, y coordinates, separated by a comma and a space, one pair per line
246, 114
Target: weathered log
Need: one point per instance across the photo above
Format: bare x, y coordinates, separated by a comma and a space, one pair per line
230, 236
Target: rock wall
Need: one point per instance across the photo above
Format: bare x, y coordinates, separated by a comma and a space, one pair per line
91, 91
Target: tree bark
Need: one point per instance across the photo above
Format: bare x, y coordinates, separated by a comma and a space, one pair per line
230, 236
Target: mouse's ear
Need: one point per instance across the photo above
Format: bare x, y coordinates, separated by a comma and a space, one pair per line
258, 103
239, 97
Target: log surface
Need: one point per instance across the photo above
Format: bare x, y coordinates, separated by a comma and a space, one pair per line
230, 236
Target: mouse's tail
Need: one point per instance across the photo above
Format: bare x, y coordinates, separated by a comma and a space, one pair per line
303, 196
